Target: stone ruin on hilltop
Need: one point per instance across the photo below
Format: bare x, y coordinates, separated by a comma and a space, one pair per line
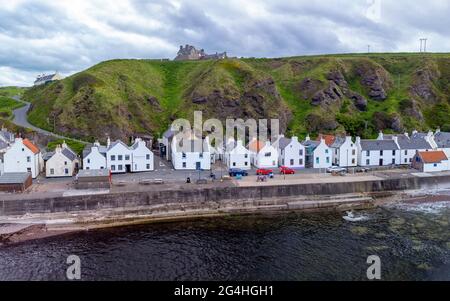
190, 53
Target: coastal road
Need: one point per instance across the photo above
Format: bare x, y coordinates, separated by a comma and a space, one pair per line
20, 119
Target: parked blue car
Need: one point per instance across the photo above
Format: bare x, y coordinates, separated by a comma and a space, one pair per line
237, 172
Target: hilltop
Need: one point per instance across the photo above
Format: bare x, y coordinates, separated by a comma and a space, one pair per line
357, 94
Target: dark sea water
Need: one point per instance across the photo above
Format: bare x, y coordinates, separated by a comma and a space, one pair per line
413, 242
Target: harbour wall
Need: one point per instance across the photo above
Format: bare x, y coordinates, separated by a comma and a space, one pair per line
203, 197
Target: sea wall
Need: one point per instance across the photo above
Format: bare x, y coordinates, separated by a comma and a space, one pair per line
205, 196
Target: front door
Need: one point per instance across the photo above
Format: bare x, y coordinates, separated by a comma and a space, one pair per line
198, 166
381, 162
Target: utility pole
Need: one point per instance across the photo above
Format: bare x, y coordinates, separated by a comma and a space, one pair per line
368, 48
423, 45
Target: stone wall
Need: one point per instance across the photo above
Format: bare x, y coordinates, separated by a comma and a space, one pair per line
207, 196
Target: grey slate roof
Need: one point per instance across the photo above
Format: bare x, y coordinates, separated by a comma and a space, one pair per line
69, 154
311, 143
368, 145
3, 144
88, 149
338, 142
48, 155
414, 142
442, 139
116, 143
284, 142
14, 178
6, 136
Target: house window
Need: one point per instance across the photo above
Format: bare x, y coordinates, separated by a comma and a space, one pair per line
406, 152
246, 156
120, 157
147, 157
234, 163
406, 160
113, 167
148, 166
66, 171
113, 158
353, 152
120, 167
368, 153
28, 159
393, 152
183, 155
301, 152
381, 153
127, 157
317, 160
246, 163
300, 162
328, 160
435, 165
87, 168
268, 154
282, 161
52, 171
353, 161
88, 161
23, 149
65, 163
201, 155
184, 164
292, 162
29, 170
367, 162
410, 160
326, 151
393, 161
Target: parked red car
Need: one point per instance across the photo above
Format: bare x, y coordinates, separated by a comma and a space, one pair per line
286, 170
264, 172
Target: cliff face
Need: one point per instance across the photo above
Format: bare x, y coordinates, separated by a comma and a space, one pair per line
355, 94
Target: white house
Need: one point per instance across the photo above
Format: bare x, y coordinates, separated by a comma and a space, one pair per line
118, 157
431, 161
291, 152
318, 153
6, 139
409, 145
345, 152
63, 162
165, 146
23, 156
191, 154
142, 157
237, 155
263, 154
378, 152
94, 157
44, 78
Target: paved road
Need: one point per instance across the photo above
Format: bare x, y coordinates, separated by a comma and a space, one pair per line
20, 119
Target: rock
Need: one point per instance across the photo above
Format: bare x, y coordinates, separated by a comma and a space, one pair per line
411, 108
330, 95
422, 86
383, 121
375, 79
308, 87
316, 123
338, 78
359, 101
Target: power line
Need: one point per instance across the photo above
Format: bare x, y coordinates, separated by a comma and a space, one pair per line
423, 45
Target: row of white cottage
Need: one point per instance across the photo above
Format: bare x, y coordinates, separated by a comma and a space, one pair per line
325, 152
18, 155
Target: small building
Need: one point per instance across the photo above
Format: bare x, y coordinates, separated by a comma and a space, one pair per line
191, 153
142, 157
63, 162
15, 182
442, 142
237, 156
165, 146
118, 157
263, 154
318, 153
94, 156
47, 78
431, 161
291, 153
93, 179
378, 152
23, 156
345, 152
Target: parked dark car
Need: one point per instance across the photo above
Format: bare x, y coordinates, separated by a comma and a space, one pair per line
234, 172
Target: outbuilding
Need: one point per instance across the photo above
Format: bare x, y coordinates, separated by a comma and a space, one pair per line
432, 161
93, 179
15, 182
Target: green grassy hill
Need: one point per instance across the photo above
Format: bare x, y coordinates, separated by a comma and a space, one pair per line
357, 94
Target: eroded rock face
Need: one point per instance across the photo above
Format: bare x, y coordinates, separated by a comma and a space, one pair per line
317, 123
359, 101
383, 121
260, 100
308, 87
422, 86
330, 95
411, 108
376, 80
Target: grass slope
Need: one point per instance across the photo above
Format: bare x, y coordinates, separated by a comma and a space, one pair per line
121, 98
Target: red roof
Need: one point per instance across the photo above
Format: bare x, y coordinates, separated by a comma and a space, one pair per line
329, 139
31, 146
255, 146
433, 157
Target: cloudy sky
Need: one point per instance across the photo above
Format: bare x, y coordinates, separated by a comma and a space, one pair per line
41, 36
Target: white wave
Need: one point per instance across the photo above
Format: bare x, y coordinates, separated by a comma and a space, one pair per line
352, 217
430, 208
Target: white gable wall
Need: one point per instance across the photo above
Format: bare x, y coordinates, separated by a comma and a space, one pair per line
95, 160
322, 156
143, 159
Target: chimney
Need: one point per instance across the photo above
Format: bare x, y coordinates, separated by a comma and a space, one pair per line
108, 142
358, 140
64, 145
348, 139
438, 130
58, 149
380, 136
307, 138
239, 143
415, 132
322, 141
295, 138
395, 138
407, 135
96, 143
